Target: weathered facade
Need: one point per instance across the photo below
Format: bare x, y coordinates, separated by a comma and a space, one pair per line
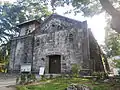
55, 44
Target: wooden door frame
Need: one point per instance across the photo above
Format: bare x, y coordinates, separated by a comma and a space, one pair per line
59, 63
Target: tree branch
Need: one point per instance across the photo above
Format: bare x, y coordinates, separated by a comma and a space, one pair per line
109, 7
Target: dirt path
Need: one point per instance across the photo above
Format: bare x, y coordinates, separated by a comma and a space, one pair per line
7, 88
6, 82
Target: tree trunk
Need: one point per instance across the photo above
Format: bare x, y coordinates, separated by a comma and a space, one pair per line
115, 22
109, 7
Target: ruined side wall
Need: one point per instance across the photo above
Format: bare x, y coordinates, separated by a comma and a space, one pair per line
17, 52
95, 55
12, 54
22, 46
21, 52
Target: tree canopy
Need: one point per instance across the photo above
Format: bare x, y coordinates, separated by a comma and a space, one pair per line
112, 42
22, 10
8, 20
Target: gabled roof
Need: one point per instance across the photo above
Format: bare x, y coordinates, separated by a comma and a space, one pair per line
28, 22
69, 20
62, 18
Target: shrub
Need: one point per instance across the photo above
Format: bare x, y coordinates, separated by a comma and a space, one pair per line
119, 72
21, 88
75, 70
42, 77
100, 75
51, 76
25, 79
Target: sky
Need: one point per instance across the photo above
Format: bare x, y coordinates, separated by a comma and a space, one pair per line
96, 23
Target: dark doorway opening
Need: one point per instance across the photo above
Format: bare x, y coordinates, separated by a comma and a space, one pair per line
55, 64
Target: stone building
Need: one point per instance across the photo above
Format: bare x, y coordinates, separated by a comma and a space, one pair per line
56, 44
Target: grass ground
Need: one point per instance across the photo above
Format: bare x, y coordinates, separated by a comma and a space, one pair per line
62, 83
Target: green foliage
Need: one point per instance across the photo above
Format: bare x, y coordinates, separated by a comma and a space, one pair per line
112, 40
102, 87
42, 77
56, 84
4, 53
86, 7
31, 78
33, 9
119, 72
100, 75
75, 70
62, 83
51, 76
25, 79
8, 17
21, 88
4, 57
112, 43
117, 63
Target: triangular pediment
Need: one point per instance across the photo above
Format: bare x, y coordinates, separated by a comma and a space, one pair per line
57, 22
